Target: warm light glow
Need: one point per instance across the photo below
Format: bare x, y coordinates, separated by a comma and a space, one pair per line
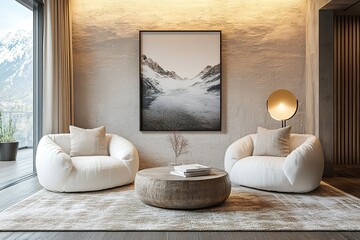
282, 105
126, 18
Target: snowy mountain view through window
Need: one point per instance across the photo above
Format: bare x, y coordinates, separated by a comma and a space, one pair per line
16, 69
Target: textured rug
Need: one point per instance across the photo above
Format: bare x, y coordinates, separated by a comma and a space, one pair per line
326, 208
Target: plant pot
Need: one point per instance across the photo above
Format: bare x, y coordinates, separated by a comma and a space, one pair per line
8, 151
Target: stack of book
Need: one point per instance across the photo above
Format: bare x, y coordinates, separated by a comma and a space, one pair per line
191, 170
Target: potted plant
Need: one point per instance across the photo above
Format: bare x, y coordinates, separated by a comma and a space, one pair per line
8, 144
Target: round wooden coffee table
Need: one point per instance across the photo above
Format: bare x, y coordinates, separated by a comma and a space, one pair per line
157, 187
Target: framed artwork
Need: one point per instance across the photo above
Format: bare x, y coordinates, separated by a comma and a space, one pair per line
180, 80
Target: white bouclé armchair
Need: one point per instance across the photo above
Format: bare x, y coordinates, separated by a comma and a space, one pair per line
300, 171
59, 172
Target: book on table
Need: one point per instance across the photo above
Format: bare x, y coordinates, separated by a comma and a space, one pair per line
189, 168
190, 174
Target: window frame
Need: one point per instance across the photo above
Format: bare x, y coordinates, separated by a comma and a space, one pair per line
38, 16
36, 6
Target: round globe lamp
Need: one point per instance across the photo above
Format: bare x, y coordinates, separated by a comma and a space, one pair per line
282, 105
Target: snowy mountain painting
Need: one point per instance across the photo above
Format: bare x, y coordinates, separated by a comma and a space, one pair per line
180, 81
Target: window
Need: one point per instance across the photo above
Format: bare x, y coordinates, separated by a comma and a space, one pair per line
20, 82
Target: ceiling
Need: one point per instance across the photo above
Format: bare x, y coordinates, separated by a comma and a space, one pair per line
344, 7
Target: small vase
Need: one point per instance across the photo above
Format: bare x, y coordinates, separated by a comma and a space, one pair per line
175, 163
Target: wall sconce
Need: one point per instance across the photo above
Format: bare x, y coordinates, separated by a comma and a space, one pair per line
282, 105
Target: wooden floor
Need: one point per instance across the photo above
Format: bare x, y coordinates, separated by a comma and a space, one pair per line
346, 179
10, 170
11, 195
181, 235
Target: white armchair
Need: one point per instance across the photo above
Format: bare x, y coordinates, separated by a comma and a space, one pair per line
300, 171
59, 172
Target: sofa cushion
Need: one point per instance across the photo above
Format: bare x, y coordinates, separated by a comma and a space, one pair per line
261, 172
95, 163
88, 142
272, 142
96, 172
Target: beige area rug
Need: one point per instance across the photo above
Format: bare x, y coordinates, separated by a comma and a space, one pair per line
326, 208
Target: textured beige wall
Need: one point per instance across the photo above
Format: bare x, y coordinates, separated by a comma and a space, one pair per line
263, 50
312, 64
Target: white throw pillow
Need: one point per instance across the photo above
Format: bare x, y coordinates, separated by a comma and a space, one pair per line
272, 142
88, 142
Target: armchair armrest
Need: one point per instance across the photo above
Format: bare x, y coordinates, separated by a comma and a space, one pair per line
239, 149
125, 151
52, 163
306, 162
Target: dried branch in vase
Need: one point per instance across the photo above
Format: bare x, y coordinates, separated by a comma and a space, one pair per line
179, 144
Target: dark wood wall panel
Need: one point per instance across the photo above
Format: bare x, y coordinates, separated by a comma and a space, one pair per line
347, 90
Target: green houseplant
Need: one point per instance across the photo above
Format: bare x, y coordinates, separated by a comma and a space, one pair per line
8, 144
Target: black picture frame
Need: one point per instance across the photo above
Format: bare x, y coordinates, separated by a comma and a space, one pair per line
192, 111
